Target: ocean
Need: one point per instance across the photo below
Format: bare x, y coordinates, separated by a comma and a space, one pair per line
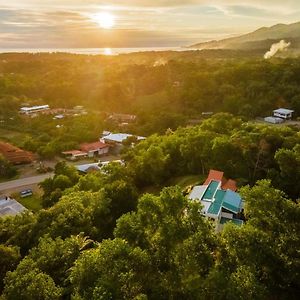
92, 51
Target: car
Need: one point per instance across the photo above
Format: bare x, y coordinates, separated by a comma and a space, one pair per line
26, 193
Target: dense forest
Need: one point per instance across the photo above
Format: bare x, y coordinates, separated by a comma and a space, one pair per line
162, 90
100, 236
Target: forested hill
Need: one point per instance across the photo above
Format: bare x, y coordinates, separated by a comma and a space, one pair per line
262, 38
100, 236
163, 89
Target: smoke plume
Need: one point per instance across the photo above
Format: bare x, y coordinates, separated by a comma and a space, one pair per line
160, 62
278, 47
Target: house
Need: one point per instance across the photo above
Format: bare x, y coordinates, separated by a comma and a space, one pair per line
74, 154
94, 167
221, 203
116, 140
93, 149
283, 113
34, 109
119, 138
15, 155
88, 168
10, 207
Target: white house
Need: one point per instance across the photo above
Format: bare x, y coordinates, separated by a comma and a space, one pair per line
119, 138
283, 113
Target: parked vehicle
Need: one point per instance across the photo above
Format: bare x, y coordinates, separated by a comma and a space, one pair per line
26, 193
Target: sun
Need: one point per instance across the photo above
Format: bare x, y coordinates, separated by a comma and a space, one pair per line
104, 19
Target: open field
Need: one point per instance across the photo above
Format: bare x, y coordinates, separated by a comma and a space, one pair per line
11, 136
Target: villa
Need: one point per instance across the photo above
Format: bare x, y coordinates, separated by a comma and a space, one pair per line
221, 203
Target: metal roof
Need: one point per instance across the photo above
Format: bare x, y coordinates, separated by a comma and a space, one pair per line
198, 192
10, 207
34, 107
211, 190
284, 111
120, 137
215, 207
232, 201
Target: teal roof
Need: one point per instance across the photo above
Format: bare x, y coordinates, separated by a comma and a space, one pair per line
234, 221
232, 201
216, 205
211, 190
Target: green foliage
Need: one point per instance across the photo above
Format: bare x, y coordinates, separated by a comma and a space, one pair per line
178, 240
6, 169
9, 259
29, 283
65, 176
244, 151
113, 270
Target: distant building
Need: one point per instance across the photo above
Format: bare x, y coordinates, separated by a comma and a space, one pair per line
116, 140
274, 120
97, 148
88, 168
88, 150
94, 167
283, 113
119, 138
10, 207
15, 155
74, 154
34, 109
122, 118
220, 201
279, 116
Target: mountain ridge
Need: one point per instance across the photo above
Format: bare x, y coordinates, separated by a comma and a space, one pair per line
275, 33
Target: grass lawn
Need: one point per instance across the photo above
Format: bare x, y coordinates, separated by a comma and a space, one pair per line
185, 181
33, 203
182, 181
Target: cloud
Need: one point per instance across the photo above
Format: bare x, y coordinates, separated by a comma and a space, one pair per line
67, 23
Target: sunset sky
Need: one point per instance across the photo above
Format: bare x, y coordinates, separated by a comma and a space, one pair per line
134, 23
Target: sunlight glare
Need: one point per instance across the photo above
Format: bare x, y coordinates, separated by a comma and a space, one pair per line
104, 19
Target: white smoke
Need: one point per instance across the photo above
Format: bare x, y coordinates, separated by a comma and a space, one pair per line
160, 62
278, 47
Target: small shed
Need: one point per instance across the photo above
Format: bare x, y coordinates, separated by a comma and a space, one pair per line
283, 113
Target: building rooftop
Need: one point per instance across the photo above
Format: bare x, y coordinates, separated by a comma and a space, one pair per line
120, 137
218, 197
198, 192
10, 207
74, 152
14, 154
88, 167
214, 175
219, 176
216, 205
232, 201
93, 146
34, 107
284, 111
211, 190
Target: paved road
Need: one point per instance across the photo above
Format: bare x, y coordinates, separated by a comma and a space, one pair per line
8, 185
